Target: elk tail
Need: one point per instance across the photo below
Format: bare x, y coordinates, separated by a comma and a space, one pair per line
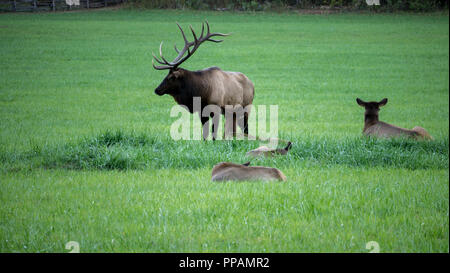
422, 133
280, 175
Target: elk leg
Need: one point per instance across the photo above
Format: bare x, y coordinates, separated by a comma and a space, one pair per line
246, 123
205, 127
234, 124
228, 129
215, 124
242, 122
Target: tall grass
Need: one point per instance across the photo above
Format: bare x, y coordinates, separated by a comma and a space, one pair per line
128, 150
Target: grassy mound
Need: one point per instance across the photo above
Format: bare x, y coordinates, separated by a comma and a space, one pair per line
128, 150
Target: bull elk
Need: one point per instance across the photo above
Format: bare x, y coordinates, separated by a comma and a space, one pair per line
226, 171
374, 127
213, 85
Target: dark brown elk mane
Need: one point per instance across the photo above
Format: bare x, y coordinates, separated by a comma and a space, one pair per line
193, 84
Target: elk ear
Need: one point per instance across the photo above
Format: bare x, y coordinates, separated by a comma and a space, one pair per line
383, 102
360, 102
288, 147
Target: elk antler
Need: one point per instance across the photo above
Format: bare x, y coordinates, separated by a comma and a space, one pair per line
187, 48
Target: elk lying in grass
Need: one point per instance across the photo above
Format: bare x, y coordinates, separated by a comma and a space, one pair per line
213, 85
225, 171
267, 152
374, 127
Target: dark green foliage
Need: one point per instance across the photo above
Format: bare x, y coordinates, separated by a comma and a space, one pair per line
260, 5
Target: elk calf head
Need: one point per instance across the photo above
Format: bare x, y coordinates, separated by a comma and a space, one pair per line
267, 152
372, 107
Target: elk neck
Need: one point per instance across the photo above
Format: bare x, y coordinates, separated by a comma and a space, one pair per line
185, 93
370, 120
193, 85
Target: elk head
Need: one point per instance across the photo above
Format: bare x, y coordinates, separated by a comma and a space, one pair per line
174, 79
372, 107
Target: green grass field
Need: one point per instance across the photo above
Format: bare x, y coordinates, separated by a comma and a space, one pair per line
86, 153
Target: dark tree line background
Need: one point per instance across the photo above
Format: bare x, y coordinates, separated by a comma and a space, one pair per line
262, 5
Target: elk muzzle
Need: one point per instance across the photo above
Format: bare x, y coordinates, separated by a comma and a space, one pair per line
159, 91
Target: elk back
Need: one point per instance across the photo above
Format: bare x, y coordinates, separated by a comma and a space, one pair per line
227, 171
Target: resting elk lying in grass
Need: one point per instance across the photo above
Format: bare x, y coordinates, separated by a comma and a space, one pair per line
266, 151
374, 127
225, 171
212, 85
